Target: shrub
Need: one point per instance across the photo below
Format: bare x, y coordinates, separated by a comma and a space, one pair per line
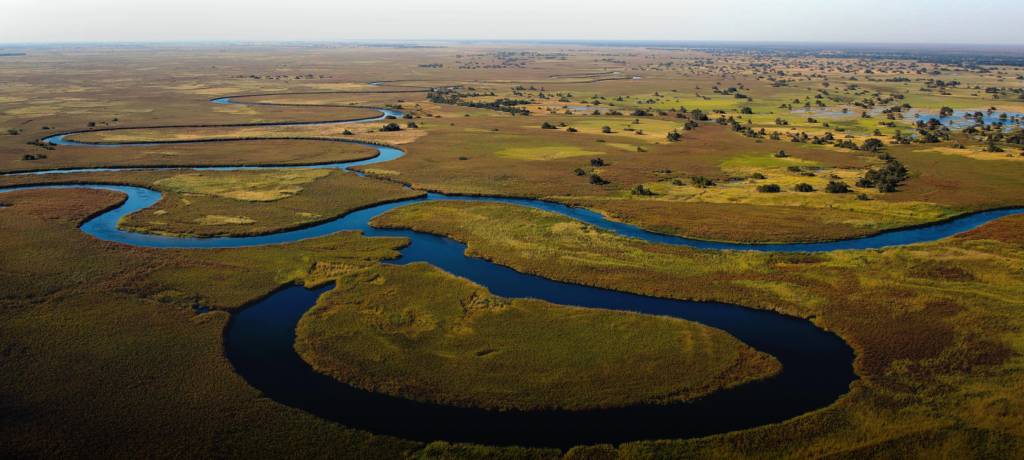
597, 180
674, 136
597, 162
757, 176
781, 154
571, 130
803, 187
886, 179
872, 145
641, 190
769, 188
346, 133
837, 187
606, 129
547, 125
702, 182
391, 127
580, 172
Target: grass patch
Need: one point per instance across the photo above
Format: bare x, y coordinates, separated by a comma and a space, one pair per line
417, 332
545, 153
256, 186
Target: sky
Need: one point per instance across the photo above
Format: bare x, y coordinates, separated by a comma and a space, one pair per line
861, 21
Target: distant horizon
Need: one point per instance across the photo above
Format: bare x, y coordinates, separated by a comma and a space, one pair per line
979, 22
610, 42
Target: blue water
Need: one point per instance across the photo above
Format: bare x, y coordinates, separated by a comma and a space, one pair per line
817, 365
958, 119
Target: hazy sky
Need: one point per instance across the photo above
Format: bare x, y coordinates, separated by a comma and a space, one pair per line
903, 21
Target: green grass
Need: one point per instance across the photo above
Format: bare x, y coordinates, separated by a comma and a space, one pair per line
103, 354
417, 332
935, 326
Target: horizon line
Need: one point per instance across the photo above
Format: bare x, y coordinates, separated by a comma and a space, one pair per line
625, 42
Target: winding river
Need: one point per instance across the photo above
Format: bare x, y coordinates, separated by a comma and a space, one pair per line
259, 341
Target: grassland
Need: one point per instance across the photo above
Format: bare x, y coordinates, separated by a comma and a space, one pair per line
236, 203
102, 354
935, 326
418, 332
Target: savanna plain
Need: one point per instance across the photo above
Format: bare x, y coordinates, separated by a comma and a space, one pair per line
109, 349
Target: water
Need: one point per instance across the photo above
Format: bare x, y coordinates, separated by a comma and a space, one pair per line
959, 121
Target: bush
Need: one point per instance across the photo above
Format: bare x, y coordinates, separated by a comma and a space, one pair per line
571, 130
674, 136
769, 188
757, 176
872, 145
598, 180
547, 125
702, 182
391, 127
837, 187
346, 133
886, 179
606, 129
781, 154
597, 162
803, 187
641, 190
580, 172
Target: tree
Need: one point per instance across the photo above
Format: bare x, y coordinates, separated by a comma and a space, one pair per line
872, 145
837, 187
886, 179
641, 190
702, 182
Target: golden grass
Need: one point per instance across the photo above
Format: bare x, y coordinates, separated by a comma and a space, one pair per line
417, 332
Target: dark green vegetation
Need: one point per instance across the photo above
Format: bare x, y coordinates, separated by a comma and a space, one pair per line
421, 333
